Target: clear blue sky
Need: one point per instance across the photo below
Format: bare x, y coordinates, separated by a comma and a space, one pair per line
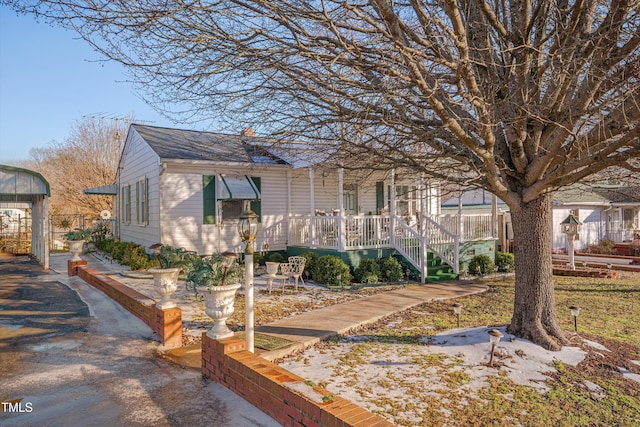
49, 80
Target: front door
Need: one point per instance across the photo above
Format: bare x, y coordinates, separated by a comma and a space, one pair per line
350, 199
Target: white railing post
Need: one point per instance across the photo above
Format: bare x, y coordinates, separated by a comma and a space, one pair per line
392, 209
341, 217
461, 230
456, 255
312, 210
494, 216
423, 259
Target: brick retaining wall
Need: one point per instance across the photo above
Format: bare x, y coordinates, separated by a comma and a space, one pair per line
270, 388
166, 323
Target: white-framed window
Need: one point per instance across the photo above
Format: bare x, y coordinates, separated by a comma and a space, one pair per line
142, 201
629, 218
125, 194
575, 213
224, 197
407, 200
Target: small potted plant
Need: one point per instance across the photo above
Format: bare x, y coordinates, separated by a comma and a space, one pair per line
171, 262
217, 278
76, 239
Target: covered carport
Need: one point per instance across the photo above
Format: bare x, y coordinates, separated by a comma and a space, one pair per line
26, 189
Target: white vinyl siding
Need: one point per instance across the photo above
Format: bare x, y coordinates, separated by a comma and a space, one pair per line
139, 162
183, 215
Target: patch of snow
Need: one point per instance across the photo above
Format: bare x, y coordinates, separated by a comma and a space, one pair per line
630, 375
596, 345
304, 389
596, 391
62, 345
10, 327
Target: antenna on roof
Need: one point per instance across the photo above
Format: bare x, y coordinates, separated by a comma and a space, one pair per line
104, 116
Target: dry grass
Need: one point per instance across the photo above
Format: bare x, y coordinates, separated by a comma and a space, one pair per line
593, 393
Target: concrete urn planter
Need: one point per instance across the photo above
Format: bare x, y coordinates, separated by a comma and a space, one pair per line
272, 268
165, 282
218, 303
75, 247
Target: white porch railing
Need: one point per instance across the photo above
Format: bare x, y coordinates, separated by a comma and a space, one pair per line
444, 243
367, 232
620, 234
472, 226
440, 236
409, 243
362, 232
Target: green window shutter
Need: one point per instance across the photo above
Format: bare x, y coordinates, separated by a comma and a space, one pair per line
256, 205
209, 199
379, 196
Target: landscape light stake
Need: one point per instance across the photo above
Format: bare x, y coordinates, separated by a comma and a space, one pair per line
575, 310
457, 309
494, 339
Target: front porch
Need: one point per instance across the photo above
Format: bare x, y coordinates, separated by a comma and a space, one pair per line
418, 240
397, 211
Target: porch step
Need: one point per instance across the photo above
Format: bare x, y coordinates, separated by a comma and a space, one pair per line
442, 277
440, 273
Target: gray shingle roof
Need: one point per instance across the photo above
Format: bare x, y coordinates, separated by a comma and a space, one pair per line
180, 144
597, 195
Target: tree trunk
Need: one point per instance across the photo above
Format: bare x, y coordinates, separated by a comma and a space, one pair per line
534, 312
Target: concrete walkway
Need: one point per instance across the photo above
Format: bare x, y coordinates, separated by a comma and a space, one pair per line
306, 329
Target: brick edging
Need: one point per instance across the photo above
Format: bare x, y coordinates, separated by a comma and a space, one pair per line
630, 258
166, 323
263, 384
604, 266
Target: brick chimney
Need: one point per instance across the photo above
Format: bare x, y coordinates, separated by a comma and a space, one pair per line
248, 132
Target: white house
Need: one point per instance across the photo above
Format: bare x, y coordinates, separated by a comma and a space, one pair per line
187, 188
605, 211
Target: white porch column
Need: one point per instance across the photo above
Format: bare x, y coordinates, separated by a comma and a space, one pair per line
342, 231
392, 209
422, 223
312, 209
287, 218
460, 224
423, 206
494, 216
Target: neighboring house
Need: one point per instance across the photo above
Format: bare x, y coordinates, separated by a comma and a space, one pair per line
611, 212
187, 188
605, 211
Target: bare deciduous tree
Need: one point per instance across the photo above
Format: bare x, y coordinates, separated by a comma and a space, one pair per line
87, 158
519, 97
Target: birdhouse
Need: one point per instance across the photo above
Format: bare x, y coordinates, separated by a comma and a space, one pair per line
570, 225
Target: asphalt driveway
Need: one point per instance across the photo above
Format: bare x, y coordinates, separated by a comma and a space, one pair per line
71, 356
